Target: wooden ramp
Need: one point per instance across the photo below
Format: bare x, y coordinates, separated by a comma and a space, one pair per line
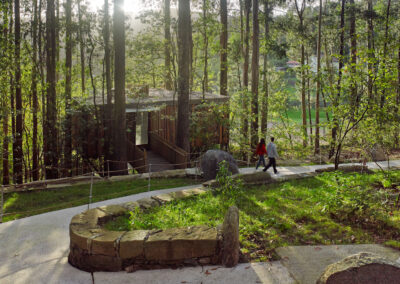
158, 163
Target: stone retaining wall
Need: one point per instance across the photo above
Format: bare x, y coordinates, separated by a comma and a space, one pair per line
93, 248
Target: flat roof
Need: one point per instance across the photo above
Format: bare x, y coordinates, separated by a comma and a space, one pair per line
159, 97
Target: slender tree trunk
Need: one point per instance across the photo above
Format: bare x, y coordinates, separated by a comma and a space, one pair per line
4, 99
317, 149
68, 76
182, 137
339, 84
167, 43
303, 95
383, 95
6, 174
50, 130
107, 59
191, 49
371, 55
309, 100
205, 38
300, 12
255, 73
81, 46
245, 101
18, 98
57, 37
119, 79
42, 62
353, 48
224, 49
35, 105
397, 114
264, 114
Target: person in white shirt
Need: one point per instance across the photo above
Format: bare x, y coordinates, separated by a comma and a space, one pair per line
272, 155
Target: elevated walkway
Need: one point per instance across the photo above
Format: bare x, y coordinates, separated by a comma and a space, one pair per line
157, 163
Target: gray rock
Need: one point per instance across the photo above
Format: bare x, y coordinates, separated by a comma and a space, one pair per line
230, 233
362, 268
254, 178
210, 163
378, 153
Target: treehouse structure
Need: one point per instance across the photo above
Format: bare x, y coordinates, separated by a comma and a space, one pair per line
151, 128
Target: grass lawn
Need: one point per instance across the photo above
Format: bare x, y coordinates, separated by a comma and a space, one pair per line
332, 208
295, 115
23, 204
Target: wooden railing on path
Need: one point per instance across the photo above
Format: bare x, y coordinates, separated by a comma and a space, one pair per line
137, 156
175, 155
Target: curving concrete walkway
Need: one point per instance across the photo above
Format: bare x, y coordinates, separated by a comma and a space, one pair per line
35, 250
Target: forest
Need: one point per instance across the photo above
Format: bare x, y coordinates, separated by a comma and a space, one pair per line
321, 76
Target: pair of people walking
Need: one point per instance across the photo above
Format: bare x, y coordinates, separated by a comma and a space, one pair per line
271, 152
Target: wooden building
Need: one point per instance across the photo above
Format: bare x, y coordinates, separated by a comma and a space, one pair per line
151, 126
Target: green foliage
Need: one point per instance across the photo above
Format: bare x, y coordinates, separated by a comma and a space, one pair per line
229, 188
333, 208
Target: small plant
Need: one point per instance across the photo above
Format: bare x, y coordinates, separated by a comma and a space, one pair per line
228, 187
135, 219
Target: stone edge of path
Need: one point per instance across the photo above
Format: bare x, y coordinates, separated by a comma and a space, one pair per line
93, 248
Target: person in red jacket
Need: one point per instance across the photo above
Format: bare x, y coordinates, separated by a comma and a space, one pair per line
261, 151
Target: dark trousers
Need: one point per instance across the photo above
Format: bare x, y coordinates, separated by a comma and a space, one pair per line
272, 162
261, 159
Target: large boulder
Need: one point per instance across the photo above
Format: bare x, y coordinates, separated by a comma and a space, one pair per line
362, 268
230, 234
210, 163
378, 153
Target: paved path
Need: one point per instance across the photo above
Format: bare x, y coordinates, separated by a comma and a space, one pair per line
35, 250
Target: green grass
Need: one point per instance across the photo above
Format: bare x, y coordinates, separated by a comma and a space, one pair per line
22, 204
332, 208
295, 115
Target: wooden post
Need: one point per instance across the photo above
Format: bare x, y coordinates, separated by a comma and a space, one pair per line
91, 190
148, 186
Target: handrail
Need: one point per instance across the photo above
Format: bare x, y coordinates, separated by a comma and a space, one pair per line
138, 156
170, 152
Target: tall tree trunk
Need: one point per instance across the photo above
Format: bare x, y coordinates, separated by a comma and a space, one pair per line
353, 48
303, 96
371, 55
4, 99
224, 49
339, 84
167, 47
397, 114
6, 174
50, 129
255, 73
300, 12
205, 38
107, 59
57, 37
81, 46
35, 105
18, 98
245, 102
182, 131
317, 149
264, 113
309, 100
68, 76
383, 95
119, 145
